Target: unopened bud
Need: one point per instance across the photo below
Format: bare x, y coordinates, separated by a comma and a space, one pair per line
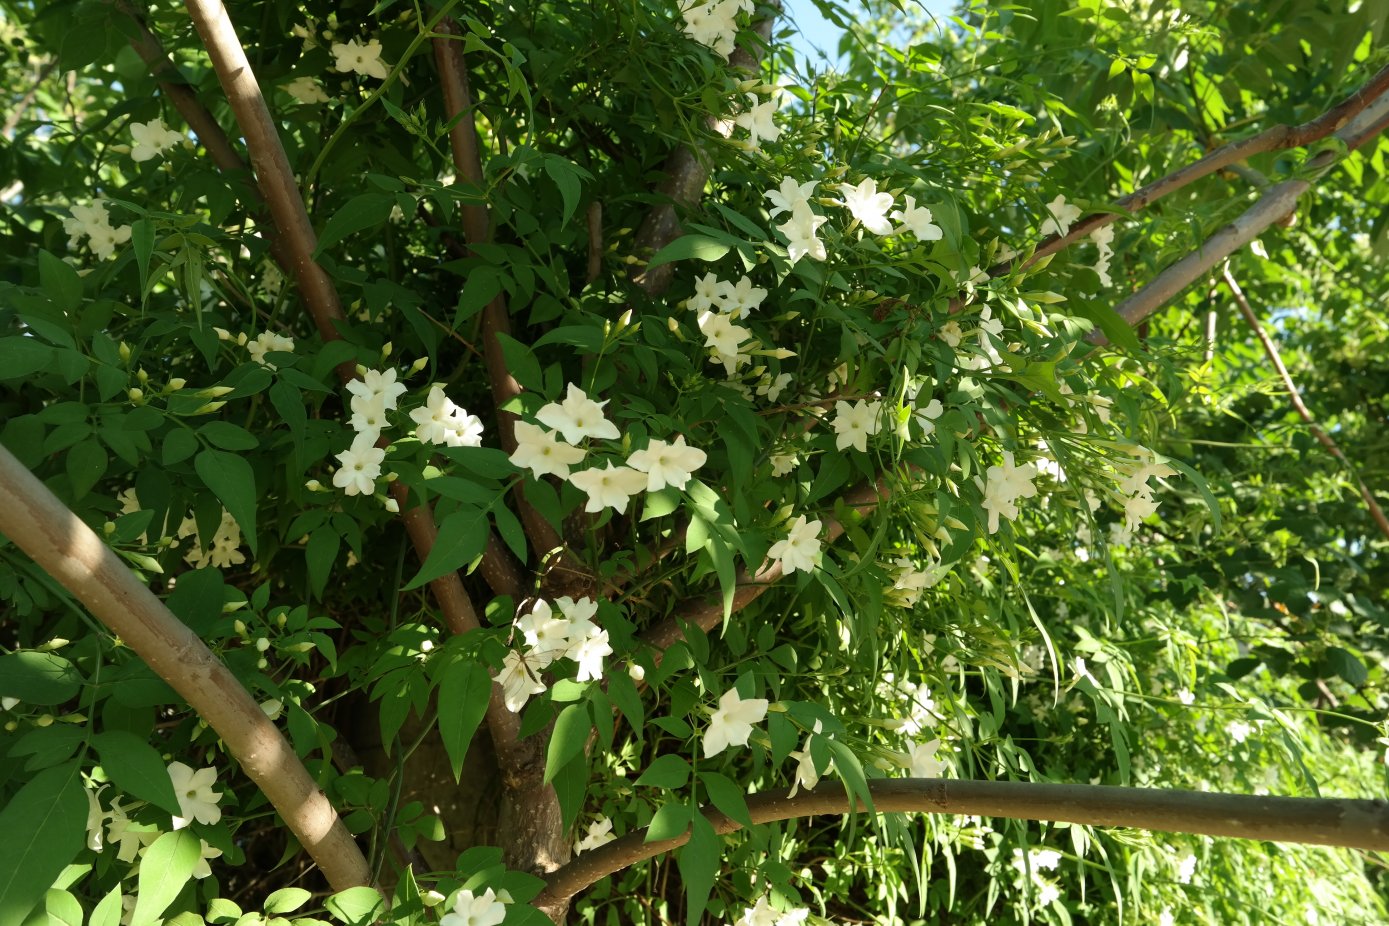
282, 620
44, 720
313, 485
209, 408
177, 383
124, 351
635, 672
392, 506
241, 339
240, 627
672, 325
386, 350
262, 663
213, 392
262, 644
142, 376
419, 364
137, 396
222, 334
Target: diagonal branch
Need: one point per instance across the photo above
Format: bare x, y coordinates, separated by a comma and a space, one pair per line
496, 320
1295, 397
66, 548
1359, 824
1277, 138
707, 612
1273, 206
687, 170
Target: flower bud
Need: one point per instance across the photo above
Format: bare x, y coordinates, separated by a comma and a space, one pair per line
313, 485
262, 644
282, 620
392, 506
209, 408
635, 672
137, 396
108, 528
43, 720
419, 364
386, 350
177, 383
142, 376
124, 351
241, 339
240, 627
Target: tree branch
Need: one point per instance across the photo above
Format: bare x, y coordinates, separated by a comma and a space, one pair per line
1360, 824
686, 171
66, 548
1277, 138
707, 612
1295, 397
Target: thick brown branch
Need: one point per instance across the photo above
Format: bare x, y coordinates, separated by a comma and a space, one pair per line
707, 612
686, 171
1277, 138
1295, 397
1275, 205
66, 548
1359, 824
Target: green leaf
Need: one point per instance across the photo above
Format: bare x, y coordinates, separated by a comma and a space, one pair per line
320, 553
670, 821
850, 771
62, 908
38, 678
135, 766
108, 910
689, 247
462, 538
60, 282
1201, 486
179, 445
567, 741
727, 797
165, 868
355, 906
571, 788
1344, 663
698, 862
228, 436
566, 175
85, 464
286, 900
481, 287
521, 362
45, 825
142, 243
464, 690
230, 478
21, 356
358, 213
668, 772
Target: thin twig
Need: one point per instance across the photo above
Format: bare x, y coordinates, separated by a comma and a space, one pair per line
66, 548
1295, 397
1360, 824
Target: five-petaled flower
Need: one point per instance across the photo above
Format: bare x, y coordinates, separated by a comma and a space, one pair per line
799, 229
854, 424
600, 832
196, 799
610, 487
542, 452
731, 722
577, 417
1060, 216
667, 464
868, 205
800, 549
440, 421
518, 680
917, 220
152, 139
360, 465
789, 195
363, 59
470, 909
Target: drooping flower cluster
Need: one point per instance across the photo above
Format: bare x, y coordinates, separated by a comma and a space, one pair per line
569, 634
152, 139
1004, 484
579, 418
375, 395
1138, 495
714, 23
94, 223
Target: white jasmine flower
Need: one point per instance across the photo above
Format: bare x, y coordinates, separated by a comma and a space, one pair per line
610, 487
1047, 892
854, 424
731, 722
440, 421
94, 223
1037, 859
667, 464
1186, 868
518, 680
484, 909
799, 229
202, 869
1239, 731
1186, 697
917, 220
363, 59
129, 837
924, 763
152, 139
368, 416
196, 799
771, 387
268, 342
706, 293
600, 833
1061, 215
542, 452
306, 90
951, 333
800, 549
783, 463
739, 299
589, 653
758, 120
374, 384
545, 634
867, 205
359, 466
720, 334
789, 196
95, 815
712, 24
578, 417
1004, 484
